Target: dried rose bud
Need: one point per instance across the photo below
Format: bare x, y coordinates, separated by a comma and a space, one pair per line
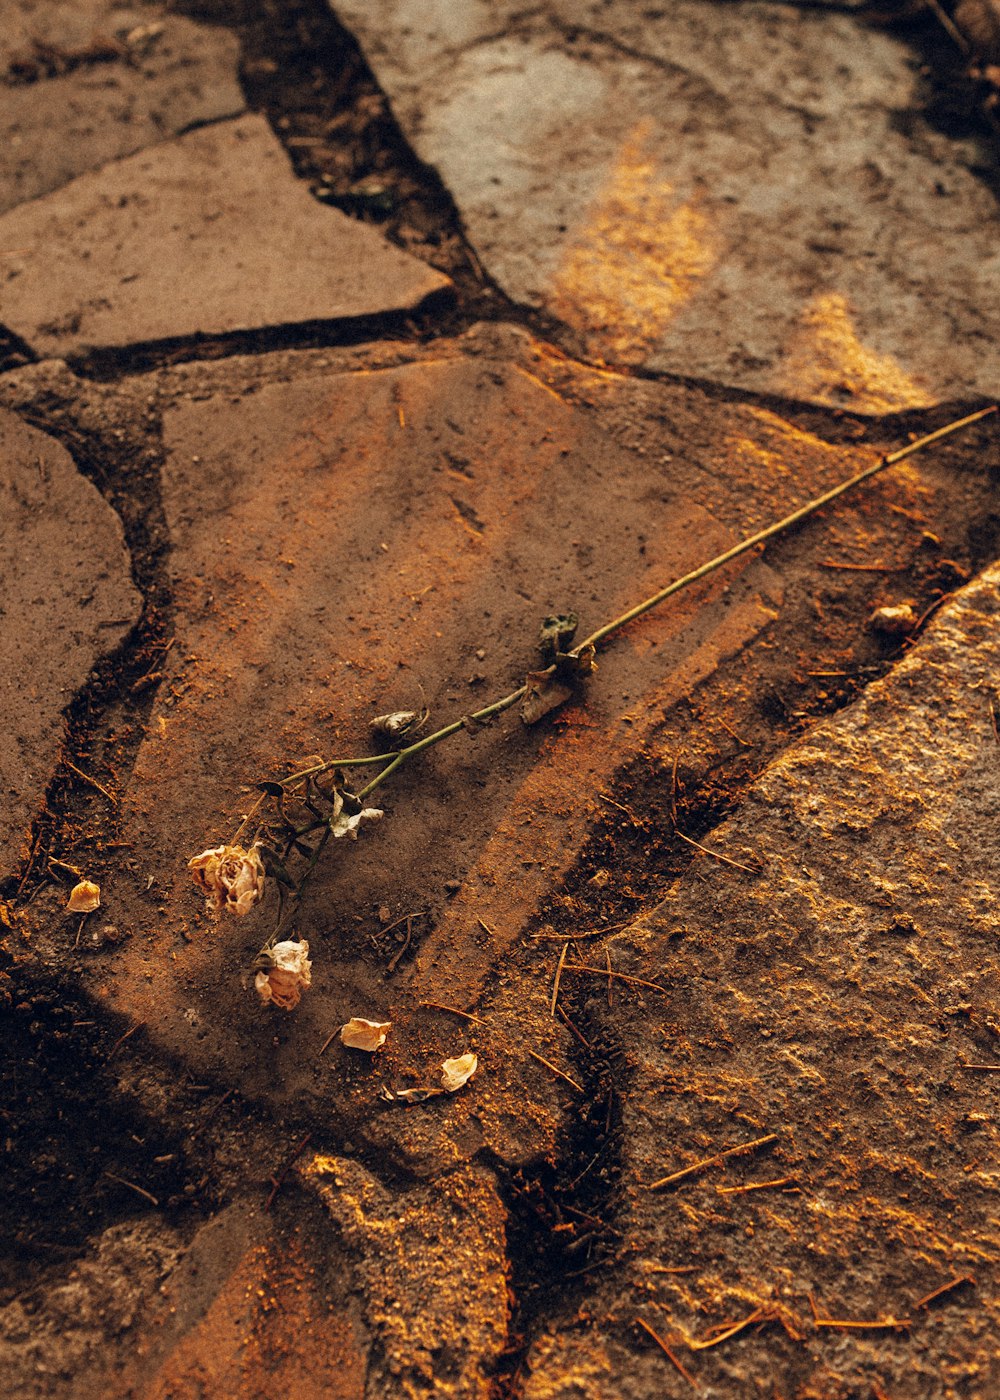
231, 878
397, 724
456, 1072
84, 898
285, 975
360, 1034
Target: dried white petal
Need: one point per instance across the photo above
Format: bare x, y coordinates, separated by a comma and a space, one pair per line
456, 1072
343, 825
84, 898
231, 878
359, 1034
286, 975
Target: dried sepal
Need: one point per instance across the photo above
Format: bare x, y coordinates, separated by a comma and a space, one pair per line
284, 973
457, 1072
388, 1095
84, 897
545, 691
231, 878
359, 1034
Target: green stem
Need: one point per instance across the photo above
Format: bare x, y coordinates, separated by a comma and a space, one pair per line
803, 511
367, 762
496, 708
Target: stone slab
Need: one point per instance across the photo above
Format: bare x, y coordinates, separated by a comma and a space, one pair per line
836, 1000
346, 544
207, 234
111, 80
66, 601
700, 189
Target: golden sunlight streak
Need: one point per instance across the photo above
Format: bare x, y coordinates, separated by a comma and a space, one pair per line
636, 259
826, 360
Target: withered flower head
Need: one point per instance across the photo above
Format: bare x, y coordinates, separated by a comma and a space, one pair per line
231, 878
84, 897
285, 973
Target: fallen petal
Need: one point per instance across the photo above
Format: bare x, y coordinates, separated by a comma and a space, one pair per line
456, 1072
84, 898
359, 1034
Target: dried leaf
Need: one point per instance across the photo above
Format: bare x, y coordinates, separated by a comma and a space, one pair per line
84, 898
544, 692
359, 1034
456, 1072
556, 634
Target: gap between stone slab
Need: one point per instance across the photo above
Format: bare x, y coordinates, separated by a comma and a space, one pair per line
110, 696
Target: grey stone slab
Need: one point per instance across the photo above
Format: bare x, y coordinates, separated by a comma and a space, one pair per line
741, 192
66, 600
110, 81
203, 235
836, 999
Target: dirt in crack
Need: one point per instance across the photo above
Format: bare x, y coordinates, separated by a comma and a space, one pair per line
562, 1215
306, 72
105, 723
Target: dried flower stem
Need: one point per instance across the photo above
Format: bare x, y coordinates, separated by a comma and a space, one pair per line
786, 524
397, 760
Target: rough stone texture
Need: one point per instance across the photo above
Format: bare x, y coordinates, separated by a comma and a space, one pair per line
66, 600
738, 192
873, 930
107, 81
178, 241
244, 1308
46, 1340
429, 1265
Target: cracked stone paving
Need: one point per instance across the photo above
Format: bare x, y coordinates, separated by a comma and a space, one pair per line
341, 346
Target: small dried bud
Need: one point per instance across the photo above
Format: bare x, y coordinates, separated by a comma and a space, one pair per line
360, 1034
84, 898
397, 724
231, 878
456, 1072
285, 974
897, 621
